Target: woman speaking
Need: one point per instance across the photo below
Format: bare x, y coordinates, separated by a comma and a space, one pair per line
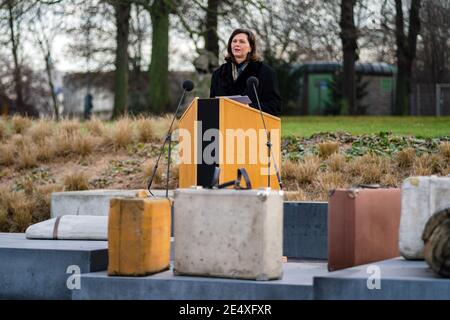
242, 62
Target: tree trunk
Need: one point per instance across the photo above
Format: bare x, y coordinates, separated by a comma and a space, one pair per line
48, 69
349, 46
17, 69
211, 37
406, 53
122, 13
159, 65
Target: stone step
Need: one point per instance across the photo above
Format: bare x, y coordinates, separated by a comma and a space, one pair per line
399, 280
296, 284
37, 269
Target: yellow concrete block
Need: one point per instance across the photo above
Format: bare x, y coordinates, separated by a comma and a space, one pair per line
138, 236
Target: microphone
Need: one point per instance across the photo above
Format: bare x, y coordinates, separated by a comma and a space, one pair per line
253, 82
188, 85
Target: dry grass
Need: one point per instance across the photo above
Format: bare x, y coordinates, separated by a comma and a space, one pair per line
288, 169
76, 181
326, 149
95, 127
306, 170
174, 176
83, 145
367, 169
121, 135
7, 154
27, 156
145, 130
336, 162
162, 124
444, 151
19, 210
390, 180
63, 143
327, 181
296, 195
42, 197
427, 164
28, 185
46, 150
147, 169
3, 130
446, 171
4, 221
41, 130
405, 158
69, 126
20, 124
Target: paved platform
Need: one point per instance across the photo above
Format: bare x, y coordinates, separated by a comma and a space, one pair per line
296, 284
37, 269
399, 280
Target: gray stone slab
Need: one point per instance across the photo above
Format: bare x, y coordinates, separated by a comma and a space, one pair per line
399, 280
305, 230
90, 202
296, 284
36, 269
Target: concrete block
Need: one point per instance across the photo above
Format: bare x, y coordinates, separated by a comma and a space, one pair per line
37, 269
421, 198
305, 230
296, 285
90, 202
399, 280
70, 227
228, 233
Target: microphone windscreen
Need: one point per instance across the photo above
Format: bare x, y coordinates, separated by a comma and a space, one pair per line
188, 85
252, 81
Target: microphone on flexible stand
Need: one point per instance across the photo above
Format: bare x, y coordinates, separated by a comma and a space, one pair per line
188, 85
253, 82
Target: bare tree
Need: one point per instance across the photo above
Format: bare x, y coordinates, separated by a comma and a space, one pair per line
433, 51
122, 15
14, 11
349, 36
44, 35
406, 53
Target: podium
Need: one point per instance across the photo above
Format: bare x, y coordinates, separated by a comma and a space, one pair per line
221, 132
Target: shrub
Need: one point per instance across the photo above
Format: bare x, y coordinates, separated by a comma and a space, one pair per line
7, 154
96, 127
336, 162
121, 134
326, 149
20, 124
41, 130
145, 130
405, 158
76, 181
82, 145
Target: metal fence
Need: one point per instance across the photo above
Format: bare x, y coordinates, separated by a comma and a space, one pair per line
431, 99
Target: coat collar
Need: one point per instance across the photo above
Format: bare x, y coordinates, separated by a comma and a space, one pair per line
252, 69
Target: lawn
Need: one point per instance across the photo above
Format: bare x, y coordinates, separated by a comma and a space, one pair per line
422, 127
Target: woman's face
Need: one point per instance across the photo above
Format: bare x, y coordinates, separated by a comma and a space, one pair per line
240, 47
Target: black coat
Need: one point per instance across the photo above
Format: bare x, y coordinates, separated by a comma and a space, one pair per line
222, 84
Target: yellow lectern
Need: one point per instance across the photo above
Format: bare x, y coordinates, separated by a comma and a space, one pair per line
221, 132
